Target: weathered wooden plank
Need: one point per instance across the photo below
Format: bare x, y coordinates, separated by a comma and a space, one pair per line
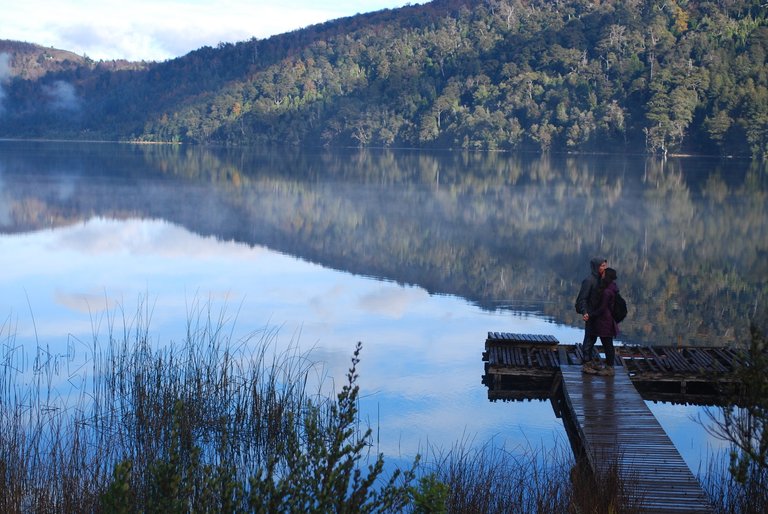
727, 357
648, 359
668, 360
652, 363
553, 362
736, 357
684, 358
680, 362
716, 364
661, 362
701, 359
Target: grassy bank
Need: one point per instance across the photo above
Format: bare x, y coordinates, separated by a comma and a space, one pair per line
224, 424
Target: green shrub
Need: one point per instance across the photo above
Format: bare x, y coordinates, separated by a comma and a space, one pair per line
318, 466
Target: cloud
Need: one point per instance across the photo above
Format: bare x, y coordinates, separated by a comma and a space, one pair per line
5, 67
392, 301
62, 96
137, 237
86, 303
163, 29
5, 74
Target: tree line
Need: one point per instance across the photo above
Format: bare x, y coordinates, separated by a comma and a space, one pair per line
576, 75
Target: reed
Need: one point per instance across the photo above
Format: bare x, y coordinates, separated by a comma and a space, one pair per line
149, 418
733, 496
490, 479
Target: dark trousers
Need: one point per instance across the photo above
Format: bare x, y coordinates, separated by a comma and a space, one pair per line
589, 348
610, 352
590, 338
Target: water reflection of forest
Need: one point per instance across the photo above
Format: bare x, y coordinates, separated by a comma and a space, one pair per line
688, 236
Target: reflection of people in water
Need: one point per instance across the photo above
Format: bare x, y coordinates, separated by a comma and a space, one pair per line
605, 326
585, 301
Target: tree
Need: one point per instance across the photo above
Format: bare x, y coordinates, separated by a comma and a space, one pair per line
718, 125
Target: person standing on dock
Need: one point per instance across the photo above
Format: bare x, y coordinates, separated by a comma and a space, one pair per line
587, 299
605, 326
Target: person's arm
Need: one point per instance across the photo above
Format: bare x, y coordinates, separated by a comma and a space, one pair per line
583, 298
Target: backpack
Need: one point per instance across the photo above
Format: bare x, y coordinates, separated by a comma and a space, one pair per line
619, 310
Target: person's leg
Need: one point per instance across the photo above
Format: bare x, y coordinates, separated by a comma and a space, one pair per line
610, 355
590, 363
590, 338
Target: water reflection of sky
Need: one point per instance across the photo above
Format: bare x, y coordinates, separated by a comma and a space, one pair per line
421, 360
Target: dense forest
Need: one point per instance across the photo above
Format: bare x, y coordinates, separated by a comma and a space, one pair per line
565, 75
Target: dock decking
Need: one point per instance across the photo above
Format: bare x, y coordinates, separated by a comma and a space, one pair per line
525, 367
616, 427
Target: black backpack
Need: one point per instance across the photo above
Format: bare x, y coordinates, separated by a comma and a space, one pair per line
619, 310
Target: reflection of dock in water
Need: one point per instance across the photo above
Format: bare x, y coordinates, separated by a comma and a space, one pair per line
606, 419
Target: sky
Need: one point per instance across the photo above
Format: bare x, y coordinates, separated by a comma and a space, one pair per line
157, 30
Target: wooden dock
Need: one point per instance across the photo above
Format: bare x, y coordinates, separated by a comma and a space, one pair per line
615, 427
606, 418
526, 367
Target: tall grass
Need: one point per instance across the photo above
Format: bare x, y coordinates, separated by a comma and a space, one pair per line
489, 479
214, 400
733, 496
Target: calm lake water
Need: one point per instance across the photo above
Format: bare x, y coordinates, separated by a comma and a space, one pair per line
417, 255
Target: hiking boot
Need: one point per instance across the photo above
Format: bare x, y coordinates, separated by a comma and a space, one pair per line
590, 367
607, 371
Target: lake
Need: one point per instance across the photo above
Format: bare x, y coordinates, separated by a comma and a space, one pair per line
417, 255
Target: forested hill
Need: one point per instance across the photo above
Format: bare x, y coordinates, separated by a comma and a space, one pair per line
674, 75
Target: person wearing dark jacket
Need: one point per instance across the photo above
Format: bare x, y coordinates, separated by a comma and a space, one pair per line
587, 299
605, 326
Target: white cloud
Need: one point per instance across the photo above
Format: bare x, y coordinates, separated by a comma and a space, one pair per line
4, 75
87, 303
5, 69
392, 301
159, 30
137, 237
